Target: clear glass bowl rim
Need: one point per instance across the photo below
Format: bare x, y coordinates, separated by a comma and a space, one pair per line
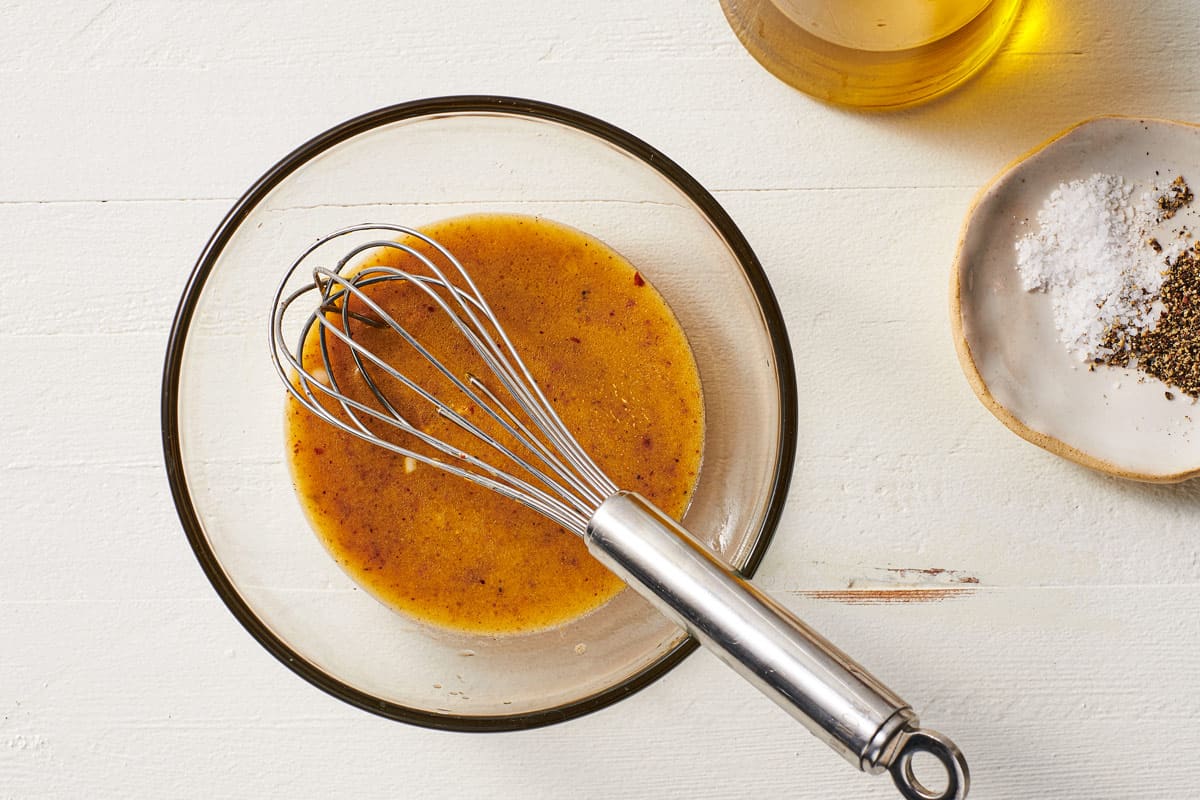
450, 105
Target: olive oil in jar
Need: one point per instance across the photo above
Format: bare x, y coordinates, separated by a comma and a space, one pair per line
872, 53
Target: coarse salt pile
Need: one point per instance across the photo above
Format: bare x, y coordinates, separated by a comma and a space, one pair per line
1091, 256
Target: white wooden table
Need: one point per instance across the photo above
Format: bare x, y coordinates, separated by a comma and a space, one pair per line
1054, 634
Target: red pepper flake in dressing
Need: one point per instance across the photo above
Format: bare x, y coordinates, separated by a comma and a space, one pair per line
638, 280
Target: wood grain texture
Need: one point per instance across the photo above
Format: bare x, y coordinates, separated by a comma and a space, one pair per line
1060, 652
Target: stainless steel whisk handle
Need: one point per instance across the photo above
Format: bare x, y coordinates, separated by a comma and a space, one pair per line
818, 684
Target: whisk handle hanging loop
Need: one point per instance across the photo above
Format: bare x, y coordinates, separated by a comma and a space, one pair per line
819, 685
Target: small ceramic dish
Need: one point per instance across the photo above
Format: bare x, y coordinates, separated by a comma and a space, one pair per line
1119, 421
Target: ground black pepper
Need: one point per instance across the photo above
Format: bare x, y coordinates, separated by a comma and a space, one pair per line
1170, 351
1177, 196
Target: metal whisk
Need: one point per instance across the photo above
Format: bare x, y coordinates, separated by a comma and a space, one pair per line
835, 698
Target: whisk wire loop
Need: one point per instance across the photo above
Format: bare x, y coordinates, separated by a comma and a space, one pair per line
492, 477
359, 353
505, 361
572, 486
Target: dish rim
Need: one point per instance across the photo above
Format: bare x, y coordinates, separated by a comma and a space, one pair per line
445, 105
962, 347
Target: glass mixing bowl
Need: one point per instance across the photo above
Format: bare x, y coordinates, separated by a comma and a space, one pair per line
222, 404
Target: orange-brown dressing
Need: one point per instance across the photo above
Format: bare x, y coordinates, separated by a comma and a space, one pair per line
613, 362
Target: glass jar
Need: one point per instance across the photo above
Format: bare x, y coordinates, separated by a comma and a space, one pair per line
872, 53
